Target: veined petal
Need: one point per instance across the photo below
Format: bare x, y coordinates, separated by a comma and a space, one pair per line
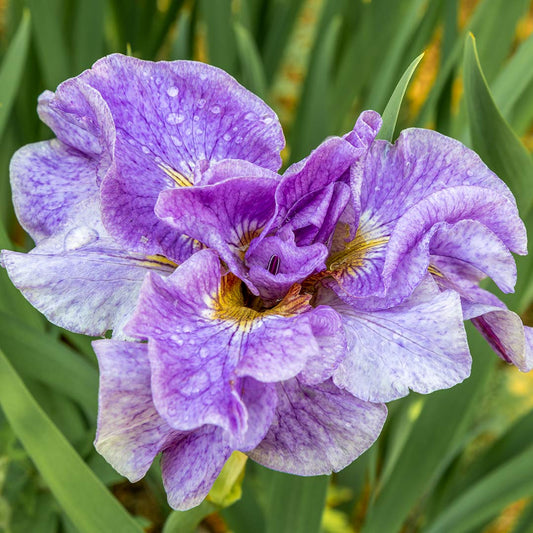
420, 345
279, 263
203, 341
364, 131
90, 286
81, 119
324, 166
226, 216
318, 429
172, 120
130, 432
191, 465
51, 185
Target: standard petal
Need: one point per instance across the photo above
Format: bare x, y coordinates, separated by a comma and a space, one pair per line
130, 432
318, 429
420, 345
278, 263
365, 130
51, 185
226, 216
172, 120
324, 166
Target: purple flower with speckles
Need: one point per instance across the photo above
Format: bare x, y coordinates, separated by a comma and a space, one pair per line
126, 130
301, 302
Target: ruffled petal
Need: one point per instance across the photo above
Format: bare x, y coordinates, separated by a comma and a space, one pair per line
226, 216
203, 341
81, 119
51, 185
420, 345
130, 432
318, 429
172, 120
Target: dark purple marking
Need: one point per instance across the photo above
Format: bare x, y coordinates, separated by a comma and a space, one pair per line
273, 264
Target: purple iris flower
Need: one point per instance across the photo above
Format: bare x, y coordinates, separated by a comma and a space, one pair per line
250, 311
126, 130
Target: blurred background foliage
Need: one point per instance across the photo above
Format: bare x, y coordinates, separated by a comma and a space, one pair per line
456, 461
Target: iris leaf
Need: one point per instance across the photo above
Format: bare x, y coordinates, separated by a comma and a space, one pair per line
34, 354
88, 33
12, 68
492, 137
50, 41
294, 504
488, 497
514, 79
253, 74
313, 120
187, 521
390, 114
79, 492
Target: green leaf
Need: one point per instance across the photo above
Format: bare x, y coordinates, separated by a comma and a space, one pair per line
222, 50
253, 75
313, 121
50, 41
88, 33
294, 504
187, 521
12, 68
492, 137
390, 114
384, 78
35, 354
488, 497
79, 492
514, 78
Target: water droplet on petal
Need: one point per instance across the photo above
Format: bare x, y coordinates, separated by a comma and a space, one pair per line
215, 109
173, 92
174, 118
201, 103
268, 120
80, 237
227, 137
145, 149
176, 140
250, 116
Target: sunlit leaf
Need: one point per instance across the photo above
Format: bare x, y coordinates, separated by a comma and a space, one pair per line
79, 492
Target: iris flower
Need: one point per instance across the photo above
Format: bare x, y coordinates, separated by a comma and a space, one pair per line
252, 311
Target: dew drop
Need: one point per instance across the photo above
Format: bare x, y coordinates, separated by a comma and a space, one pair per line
267, 120
201, 103
196, 118
186, 329
238, 140
79, 237
176, 140
215, 109
145, 149
173, 92
250, 116
174, 118
227, 137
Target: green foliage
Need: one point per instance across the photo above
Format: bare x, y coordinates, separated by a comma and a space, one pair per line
431, 470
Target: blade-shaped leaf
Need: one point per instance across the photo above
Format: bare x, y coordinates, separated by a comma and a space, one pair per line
492, 137
12, 68
488, 497
390, 114
79, 492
